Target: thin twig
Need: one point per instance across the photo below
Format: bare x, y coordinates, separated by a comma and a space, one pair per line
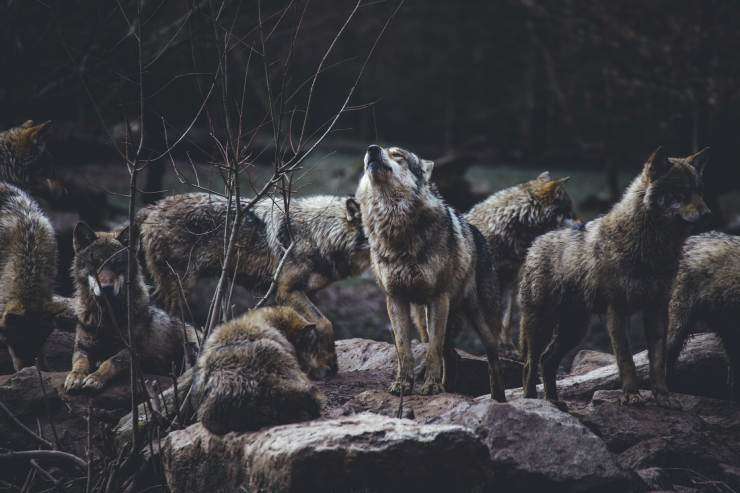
56, 455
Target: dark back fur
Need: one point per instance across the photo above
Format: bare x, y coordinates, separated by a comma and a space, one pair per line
249, 375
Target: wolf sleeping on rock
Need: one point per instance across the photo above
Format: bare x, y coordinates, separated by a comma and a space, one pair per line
251, 372
619, 264
183, 235
426, 254
706, 293
510, 220
100, 274
28, 268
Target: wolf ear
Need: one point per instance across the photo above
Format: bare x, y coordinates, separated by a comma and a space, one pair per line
309, 335
353, 210
123, 236
82, 236
545, 175
657, 164
700, 160
34, 133
427, 166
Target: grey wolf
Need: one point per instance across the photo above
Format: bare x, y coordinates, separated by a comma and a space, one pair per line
426, 257
618, 264
251, 372
101, 351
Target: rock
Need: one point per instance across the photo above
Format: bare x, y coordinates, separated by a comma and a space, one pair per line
587, 360
469, 375
168, 402
702, 437
422, 408
26, 392
701, 370
58, 350
536, 447
365, 452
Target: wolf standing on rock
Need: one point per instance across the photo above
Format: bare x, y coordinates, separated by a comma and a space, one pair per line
510, 220
424, 253
100, 274
619, 264
183, 235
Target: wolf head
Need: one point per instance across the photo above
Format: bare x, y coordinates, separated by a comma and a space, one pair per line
552, 197
396, 169
675, 186
20, 150
100, 266
313, 356
25, 329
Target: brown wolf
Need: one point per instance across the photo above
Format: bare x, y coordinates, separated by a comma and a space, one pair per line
21, 149
28, 267
251, 372
183, 236
706, 292
510, 220
425, 253
100, 274
619, 264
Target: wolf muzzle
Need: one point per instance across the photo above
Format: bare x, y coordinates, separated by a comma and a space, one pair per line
374, 159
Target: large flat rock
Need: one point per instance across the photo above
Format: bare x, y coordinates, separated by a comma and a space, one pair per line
365, 452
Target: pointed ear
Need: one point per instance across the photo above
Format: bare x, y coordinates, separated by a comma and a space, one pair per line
427, 166
123, 236
562, 180
657, 164
700, 159
34, 133
353, 210
545, 175
309, 335
82, 236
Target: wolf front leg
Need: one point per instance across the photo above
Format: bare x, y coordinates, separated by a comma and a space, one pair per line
107, 371
438, 311
655, 332
80, 360
399, 311
616, 324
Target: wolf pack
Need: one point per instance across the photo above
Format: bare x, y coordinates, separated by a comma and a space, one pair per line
441, 271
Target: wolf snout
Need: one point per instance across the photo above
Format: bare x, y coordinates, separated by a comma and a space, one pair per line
107, 283
374, 152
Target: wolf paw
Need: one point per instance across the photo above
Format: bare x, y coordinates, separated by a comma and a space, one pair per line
630, 398
73, 381
432, 387
92, 383
401, 386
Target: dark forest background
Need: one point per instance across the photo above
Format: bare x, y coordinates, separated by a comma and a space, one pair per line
580, 83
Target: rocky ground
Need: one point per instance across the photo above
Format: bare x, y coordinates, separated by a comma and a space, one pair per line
370, 440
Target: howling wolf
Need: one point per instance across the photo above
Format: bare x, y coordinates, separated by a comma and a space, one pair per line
426, 254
